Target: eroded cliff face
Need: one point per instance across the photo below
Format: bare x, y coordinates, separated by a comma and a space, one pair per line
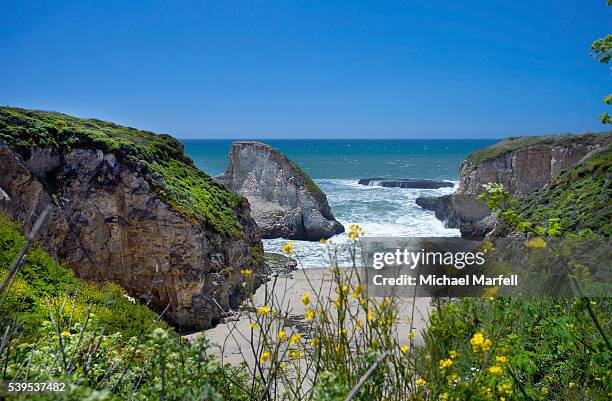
285, 202
108, 223
522, 167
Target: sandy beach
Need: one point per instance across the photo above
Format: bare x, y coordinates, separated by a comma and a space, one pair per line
233, 335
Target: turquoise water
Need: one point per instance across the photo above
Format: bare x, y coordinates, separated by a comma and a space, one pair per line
337, 165
354, 159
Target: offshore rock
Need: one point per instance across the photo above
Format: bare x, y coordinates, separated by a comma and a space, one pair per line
405, 183
284, 201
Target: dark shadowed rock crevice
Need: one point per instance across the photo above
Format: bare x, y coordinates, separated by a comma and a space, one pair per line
284, 201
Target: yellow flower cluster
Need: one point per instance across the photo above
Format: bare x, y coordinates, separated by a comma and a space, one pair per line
246, 273
264, 310
306, 298
288, 248
355, 231
480, 343
264, 357
505, 388
295, 338
445, 363
495, 370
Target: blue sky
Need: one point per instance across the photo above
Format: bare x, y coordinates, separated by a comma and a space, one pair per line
310, 69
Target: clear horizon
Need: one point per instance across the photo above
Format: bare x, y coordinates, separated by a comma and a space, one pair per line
334, 69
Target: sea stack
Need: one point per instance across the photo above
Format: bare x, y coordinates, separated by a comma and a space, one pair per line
285, 202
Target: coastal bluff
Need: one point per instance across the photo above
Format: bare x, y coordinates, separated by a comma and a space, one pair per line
129, 207
522, 165
284, 201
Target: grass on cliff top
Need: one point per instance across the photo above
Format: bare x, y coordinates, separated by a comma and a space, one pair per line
42, 277
170, 171
515, 143
580, 197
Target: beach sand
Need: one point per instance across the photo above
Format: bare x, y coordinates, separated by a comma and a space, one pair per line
233, 335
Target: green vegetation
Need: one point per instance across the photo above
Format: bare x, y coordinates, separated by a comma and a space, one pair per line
515, 143
601, 50
310, 184
161, 159
41, 278
577, 200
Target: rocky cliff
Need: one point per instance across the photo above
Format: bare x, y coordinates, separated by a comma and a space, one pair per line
520, 164
129, 206
285, 202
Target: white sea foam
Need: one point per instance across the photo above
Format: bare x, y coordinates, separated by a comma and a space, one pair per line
382, 212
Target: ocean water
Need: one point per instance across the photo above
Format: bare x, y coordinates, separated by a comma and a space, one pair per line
337, 165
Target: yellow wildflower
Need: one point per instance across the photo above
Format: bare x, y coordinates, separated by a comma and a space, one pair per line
246, 273
357, 291
281, 335
323, 241
314, 342
342, 332
306, 298
501, 359
445, 363
505, 388
295, 338
405, 348
479, 343
420, 382
288, 248
444, 397
253, 325
353, 235
412, 335
281, 365
264, 310
343, 289
310, 314
371, 315
358, 324
264, 357
65, 334
544, 390
295, 354
495, 370
571, 384
352, 227
593, 302
453, 354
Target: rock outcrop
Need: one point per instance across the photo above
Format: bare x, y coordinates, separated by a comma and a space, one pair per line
520, 164
285, 202
120, 213
405, 183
